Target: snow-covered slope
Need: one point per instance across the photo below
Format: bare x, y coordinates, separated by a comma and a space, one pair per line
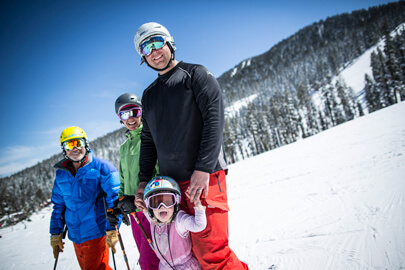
354, 74
332, 201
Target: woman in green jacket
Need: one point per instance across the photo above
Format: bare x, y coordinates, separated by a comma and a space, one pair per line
128, 107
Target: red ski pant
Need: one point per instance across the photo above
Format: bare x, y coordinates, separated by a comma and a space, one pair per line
211, 246
93, 254
147, 257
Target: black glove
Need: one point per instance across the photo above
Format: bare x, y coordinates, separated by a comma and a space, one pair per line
125, 219
126, 204
112, 216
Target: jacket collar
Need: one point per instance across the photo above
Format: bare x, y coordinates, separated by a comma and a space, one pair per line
131, 134
67, 165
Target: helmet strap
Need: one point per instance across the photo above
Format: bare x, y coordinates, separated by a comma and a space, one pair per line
81, 161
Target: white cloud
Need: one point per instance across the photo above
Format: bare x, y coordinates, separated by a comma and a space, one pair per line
17, 158
13, 167
13, 153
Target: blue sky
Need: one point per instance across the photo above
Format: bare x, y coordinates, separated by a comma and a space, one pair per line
65, 62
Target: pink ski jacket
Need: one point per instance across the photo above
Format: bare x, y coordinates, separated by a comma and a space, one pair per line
172, 241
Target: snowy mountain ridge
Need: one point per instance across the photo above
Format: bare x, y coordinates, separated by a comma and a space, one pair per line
352, 74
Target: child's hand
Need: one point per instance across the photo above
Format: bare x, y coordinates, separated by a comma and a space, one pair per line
140, 203
198, 205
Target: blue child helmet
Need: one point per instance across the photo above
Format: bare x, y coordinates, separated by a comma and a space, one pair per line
162, 184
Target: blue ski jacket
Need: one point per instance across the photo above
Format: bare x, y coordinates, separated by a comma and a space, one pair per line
79, 198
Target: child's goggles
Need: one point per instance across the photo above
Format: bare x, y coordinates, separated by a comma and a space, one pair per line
166, 199
78, 143
154, 43
134, 112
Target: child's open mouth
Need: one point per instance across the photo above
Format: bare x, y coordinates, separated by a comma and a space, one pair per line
163, 214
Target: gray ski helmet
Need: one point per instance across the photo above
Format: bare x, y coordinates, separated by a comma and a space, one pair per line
151, 29
127, 99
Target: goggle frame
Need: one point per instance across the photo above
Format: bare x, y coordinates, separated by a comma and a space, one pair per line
176, 200
153, 43
69, 145
125, 114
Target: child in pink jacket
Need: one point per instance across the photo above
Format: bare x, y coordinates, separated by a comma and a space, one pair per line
170, 227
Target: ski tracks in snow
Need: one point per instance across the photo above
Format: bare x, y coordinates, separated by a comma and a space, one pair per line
331, 201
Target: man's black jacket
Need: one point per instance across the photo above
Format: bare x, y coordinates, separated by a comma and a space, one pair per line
183, 121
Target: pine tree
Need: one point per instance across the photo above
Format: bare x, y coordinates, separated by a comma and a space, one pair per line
309, 112
379, 75
372, 94
399, 45
229, 142
293, 127
392, 76
347, 100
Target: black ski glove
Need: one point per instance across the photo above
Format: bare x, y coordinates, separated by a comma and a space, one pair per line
126, 204
125, 219
112, 216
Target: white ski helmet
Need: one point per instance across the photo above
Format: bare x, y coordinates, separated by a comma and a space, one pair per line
151, 29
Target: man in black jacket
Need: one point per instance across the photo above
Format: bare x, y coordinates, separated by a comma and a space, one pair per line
183, 121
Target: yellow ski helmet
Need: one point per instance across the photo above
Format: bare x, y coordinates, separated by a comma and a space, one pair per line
72, 133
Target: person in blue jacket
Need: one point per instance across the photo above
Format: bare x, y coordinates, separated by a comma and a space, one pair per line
84, 187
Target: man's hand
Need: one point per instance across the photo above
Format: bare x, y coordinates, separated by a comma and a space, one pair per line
57, 244
111, 239
112, 216
199, 183
139, 197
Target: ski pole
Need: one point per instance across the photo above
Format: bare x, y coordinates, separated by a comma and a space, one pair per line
57, 254
122, 246
56, 260
143, 231
141, 227
112, 253
116, 227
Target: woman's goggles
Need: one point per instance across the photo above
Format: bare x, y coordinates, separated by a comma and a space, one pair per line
78, 143
134, 112
166, 199
154, 43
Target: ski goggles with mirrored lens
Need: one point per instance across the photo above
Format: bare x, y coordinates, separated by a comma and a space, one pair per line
78, 143
166, 199
134, 112
154, 43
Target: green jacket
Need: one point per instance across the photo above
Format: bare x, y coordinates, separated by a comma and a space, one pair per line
129, 163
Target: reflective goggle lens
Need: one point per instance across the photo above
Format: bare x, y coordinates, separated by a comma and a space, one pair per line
78, 143
154, 43
166, 199
134, 112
